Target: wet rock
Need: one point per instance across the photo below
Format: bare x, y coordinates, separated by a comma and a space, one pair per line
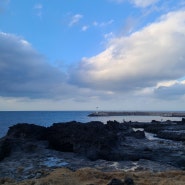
116, 182
138, 134
154, 128
154, 121
177, 136
95, 140
5, 148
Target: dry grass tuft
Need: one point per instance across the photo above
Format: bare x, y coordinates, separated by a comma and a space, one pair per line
87, 176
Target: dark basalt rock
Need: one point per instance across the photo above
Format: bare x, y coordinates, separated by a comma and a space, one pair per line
139, 134
172, 135
183, 120
168, 130
116, 126
93, 139
116, 182
154, 128
128, 181
154, 121
5, 148
18, 137
25, 131
113, 141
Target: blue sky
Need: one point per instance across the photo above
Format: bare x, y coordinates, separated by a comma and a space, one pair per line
76, 55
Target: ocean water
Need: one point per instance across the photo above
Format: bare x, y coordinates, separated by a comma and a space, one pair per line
47, 118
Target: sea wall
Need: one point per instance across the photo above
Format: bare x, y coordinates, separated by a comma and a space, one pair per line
137, 113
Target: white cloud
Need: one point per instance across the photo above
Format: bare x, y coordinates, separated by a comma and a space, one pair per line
162, 87
109, 35
98, 24
103, 24
118, 1
95, 23
75, 19
85, 28
144, 3
139, 3
38, 6
143, 59
39, 9
167, 83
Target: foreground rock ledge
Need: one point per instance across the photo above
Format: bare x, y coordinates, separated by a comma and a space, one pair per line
91, 144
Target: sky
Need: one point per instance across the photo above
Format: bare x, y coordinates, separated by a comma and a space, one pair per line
79, 55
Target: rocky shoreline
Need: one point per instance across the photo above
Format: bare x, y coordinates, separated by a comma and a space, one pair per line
30, 151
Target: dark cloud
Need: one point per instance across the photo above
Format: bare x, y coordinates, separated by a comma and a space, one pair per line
171, 92
24, 72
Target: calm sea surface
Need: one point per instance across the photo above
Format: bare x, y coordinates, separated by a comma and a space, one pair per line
47, 118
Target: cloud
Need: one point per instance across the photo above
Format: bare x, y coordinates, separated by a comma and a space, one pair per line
38, 6
144, 3
140, 60
97, 24
173, 90
25, 73
103, 24
39, 9
109, 35
85, 28
119, 1
75, 19
139, 3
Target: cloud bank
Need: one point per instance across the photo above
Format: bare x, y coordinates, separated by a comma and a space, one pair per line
143, 59
24, 72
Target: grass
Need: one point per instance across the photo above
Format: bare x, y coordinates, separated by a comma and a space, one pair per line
87, 176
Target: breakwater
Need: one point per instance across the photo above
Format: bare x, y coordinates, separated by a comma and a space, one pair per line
137, 113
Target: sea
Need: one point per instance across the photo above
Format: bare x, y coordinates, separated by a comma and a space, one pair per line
47, 118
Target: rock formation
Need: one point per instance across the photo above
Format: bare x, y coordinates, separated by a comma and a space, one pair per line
113, 141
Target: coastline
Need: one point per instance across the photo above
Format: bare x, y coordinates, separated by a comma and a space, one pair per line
37, 153
47, 118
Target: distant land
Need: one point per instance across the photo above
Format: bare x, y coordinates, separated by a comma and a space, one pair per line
139, 113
